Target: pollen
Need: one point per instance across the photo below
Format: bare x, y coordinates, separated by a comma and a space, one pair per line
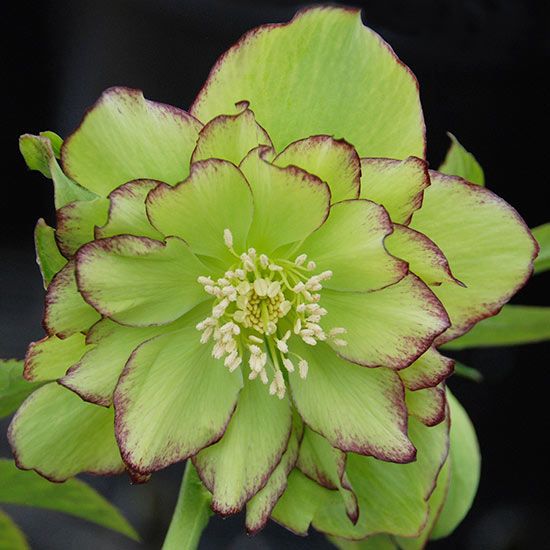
260, 305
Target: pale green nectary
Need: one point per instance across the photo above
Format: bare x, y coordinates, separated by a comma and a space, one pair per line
254, 288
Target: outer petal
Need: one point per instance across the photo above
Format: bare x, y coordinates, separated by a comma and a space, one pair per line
289, 203
49, 358
215, 197
49, 259
427, 405
356, 409
427, 371
390, 327
59, 435
460, 162
173, 398
322, 73
127, 213
66, 312
238, 466
351, 244
334, 161
396, 185
140, 281
230, 137
487, 243
125, 137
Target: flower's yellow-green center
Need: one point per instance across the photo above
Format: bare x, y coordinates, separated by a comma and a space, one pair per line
258, 305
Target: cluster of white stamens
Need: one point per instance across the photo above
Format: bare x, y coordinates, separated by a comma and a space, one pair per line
250, 299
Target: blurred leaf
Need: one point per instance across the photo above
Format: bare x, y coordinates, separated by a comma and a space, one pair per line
11, 537
468, 372
14, 389
512, 326
459, 162
73, 497
542, 234
191, 514
48, 257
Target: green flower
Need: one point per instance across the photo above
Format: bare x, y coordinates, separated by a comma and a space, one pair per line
260, 285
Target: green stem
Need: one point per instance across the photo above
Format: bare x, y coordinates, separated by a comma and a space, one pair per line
191, 514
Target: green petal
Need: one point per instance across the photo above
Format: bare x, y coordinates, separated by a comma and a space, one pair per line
215, 197
459, 162
11, 537
230, 137
39, 155
127, 214
486, 242
322, 73
76, 223
57, 434
173, 398
542, 234
14, 389
355, 408
326, 465
49, 358
351, 244
465, 465
124, 137
397, 185
427, 405
427, 371
392, 497
140, 281
49, 259
376, 542
512, 326
424, 257
289, 203
390, 327
240, 464
334, 161
260, 506
66, 312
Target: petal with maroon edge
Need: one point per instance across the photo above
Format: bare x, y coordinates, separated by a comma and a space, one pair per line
326, 465
356, 409
127, 214
430, 369
76, 223
351, 244
486, 242
230, 137
139, 281
427, 405
424, 257
334, 161
289, 203
215, 197
58, 435
51, 357
324, 72
390, 327
173, 398
260, 506
397, 185
124, 137
94, 377
240, 464
65, 311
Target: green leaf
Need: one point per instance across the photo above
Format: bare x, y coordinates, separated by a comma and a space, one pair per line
377, 542
542, 234
465, 465
468, 372
191, 514
73, 497
49, 259
14, 389
459, 162
55, 140
11, 537
514, 325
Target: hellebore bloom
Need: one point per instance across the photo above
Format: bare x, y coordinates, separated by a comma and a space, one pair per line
260, 285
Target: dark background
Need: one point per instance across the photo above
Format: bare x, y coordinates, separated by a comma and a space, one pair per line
480, 65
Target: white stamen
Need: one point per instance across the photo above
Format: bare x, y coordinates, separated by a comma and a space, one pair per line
303, 368
300, 260
228, 238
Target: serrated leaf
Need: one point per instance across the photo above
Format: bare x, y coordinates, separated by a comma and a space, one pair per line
460, 162
11, 537
73, 497
542, 234
14, 389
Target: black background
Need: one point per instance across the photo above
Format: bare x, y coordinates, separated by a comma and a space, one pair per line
480, 65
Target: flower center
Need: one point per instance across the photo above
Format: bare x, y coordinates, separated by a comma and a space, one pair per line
258, 304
